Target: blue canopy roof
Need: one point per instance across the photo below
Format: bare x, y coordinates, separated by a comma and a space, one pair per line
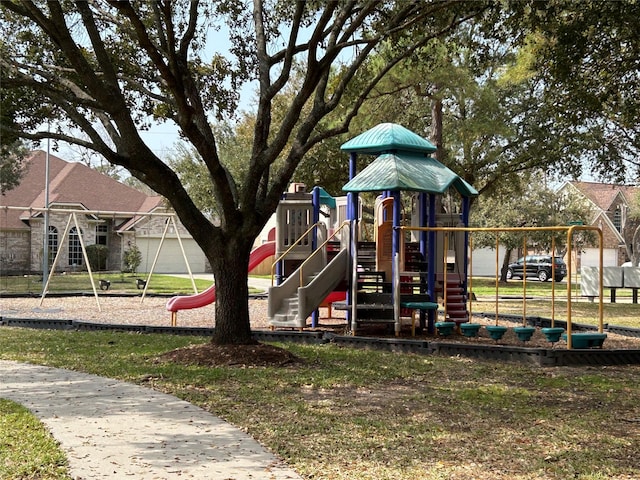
388, 137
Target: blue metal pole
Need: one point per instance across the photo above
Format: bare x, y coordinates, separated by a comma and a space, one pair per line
395, 239
431, 261
352, 213
422, 208
422, 200
315, 201
395, 260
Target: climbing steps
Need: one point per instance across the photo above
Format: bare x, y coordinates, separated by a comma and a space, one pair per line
455, 298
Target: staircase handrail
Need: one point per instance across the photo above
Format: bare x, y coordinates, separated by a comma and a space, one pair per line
275, 262
301, 267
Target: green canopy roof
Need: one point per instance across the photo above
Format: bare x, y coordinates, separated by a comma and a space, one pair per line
387, 137
326, 198
408, 171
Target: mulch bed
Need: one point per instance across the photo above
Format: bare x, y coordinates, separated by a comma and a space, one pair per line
244, 356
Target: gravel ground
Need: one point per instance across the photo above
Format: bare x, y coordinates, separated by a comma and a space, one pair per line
131, 311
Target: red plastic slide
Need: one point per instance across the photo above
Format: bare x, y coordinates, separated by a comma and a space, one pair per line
208, 296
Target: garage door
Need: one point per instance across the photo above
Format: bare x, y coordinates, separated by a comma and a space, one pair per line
591, 257
484, 261
170, 259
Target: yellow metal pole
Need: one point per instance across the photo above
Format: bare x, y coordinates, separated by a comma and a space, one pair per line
497, 274
569, 232
444, 287
55, 259
553, 280
86, 260
569, 238
601, 289
524, 281
155, 261
291, 247
470, 275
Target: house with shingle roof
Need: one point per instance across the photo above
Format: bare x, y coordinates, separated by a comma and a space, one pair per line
610, 204
118, 216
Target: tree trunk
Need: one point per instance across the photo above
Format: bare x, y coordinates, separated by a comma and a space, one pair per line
230, 269
505, 264
436, 126
633, 252
436, 137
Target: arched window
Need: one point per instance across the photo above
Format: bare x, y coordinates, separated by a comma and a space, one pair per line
75, 248
617, 219
52, 243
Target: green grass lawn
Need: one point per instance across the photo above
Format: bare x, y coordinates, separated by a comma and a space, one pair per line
539, 302
345, 413
27, 450
483, 286
120, 283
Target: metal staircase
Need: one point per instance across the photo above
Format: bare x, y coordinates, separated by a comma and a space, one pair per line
292, 302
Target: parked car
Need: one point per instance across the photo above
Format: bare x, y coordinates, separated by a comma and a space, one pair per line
538, 266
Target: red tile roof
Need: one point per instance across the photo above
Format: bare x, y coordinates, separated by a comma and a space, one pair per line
603, 194
72, 184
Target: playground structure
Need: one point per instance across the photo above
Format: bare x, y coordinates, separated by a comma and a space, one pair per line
416, 267
382, 277
552, 333
420, 270
311, 256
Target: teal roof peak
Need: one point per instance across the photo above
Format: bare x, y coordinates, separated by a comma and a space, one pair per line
388, 137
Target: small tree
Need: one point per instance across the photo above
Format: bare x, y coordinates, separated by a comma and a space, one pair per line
12, 165
631, 231
97, 255
132, 259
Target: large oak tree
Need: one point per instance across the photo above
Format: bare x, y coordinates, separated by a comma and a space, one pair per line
106, 69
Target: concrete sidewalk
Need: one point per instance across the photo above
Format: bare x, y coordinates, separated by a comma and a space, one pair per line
111, 429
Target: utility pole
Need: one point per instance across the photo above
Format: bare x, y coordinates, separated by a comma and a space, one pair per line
45, 246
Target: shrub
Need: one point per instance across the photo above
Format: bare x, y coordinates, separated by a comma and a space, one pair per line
97, 255
132, 259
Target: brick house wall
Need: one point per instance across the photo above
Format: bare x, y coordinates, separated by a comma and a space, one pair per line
15, 246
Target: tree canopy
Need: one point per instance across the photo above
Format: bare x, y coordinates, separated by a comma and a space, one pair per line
13, 149
525, 85
585, 57
12, 165
521, 91
106, 70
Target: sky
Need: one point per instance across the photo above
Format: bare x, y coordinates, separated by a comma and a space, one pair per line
162, 138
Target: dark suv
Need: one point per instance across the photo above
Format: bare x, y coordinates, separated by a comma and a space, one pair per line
538, 266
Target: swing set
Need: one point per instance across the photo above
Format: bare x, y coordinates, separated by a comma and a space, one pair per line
72, 221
